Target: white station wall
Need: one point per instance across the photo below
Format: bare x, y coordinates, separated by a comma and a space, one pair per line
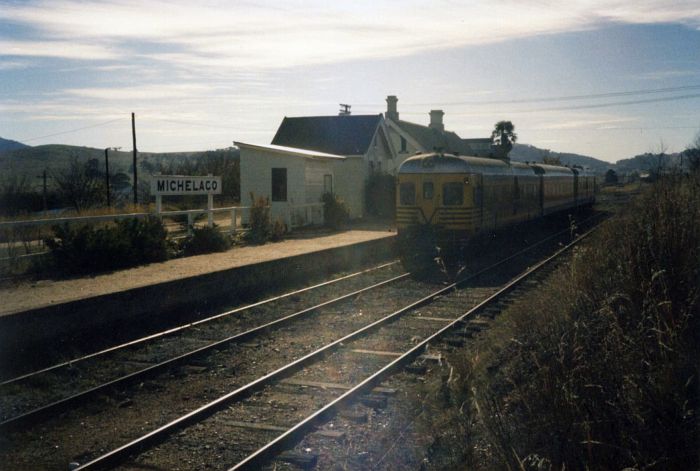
349, 183
305, 179
256, 175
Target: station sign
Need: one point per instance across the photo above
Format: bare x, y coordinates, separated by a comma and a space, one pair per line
184, 185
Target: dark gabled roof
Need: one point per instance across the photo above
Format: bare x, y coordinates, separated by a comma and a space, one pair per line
432, 139
342, 135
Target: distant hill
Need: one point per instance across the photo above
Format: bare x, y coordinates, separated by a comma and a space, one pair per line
648, 162
8, 144
30, 162
528, 153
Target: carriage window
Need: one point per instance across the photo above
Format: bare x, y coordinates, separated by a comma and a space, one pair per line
428, 190
407, 194
453, 194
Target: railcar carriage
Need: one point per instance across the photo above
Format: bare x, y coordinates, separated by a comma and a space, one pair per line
444, 200
558, 187
586, 187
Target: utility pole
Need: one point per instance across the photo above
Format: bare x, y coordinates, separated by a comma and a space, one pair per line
107, 149
109, 203
43, 176
133, 136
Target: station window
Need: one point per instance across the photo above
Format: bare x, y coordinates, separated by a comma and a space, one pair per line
279, 184
453, 194
428, 191
407, 194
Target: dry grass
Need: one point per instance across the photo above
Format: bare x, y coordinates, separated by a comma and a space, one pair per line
599, 368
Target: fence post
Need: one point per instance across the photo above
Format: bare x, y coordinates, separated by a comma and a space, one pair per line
159, 206
190, 223
233, 221
210, 210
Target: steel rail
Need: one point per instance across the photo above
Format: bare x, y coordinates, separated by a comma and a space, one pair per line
296, 432
162, 433
43, 412
174, 330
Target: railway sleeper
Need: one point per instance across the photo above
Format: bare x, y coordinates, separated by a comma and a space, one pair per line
454, 341
374, 401
418, 370
302, 460
490, 312
354, 415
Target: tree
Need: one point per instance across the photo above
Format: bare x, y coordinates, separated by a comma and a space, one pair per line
80, 185
658, 161
549, 159
503, 137
17, 196
611, 176
692, 155
504, 133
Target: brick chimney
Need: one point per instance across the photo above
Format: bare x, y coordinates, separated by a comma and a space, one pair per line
391, 112
436, 120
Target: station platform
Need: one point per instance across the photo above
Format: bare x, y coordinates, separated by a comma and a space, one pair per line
32, 312
36, 294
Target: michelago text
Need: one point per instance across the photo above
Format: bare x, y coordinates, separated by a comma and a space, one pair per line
185, 185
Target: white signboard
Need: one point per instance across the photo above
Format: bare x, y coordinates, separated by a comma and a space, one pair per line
183, 185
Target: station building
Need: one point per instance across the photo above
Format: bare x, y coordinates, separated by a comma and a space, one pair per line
311, 155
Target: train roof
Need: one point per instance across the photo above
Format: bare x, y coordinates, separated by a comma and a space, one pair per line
448, 163
552, 170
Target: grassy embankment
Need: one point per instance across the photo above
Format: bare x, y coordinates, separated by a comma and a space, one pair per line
596, 370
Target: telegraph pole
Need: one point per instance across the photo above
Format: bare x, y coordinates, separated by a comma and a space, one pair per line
44, 191
133, 136
109, 204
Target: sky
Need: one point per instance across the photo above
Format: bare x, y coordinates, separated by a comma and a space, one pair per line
605, 78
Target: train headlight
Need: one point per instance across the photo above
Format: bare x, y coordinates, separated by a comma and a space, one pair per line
466, 180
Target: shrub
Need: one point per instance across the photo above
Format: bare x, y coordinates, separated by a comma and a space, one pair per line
129, 242
335, 211
277, 230
260, 224
205, 240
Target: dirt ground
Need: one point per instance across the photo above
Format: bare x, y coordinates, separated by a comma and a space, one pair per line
33, 294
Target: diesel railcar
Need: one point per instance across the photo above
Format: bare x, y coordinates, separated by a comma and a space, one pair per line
447, 200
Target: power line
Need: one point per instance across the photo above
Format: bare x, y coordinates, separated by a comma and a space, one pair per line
611, 128
190, 123
72, 130
582, 107
647, 91
622, 103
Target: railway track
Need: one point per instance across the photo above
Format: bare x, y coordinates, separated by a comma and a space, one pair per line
248, 369
37, 395
231, 425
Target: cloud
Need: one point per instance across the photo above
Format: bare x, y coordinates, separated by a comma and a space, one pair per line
60, 48
14, 65
667, 74
141, 92
590, 123
277, 35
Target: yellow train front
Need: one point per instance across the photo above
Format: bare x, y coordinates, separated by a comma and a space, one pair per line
444, 201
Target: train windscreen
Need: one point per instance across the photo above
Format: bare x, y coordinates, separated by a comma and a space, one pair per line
407, 194
453, 194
